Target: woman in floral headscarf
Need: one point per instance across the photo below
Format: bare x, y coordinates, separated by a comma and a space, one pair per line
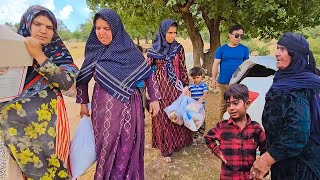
291, 115
34, 125
168, 59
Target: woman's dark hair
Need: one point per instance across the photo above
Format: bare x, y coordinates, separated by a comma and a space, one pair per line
237, 91
98, 16
174, 25
235, 28
196, 71
139, 47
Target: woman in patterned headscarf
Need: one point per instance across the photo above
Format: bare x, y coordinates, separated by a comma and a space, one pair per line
117, 66
168, 58
34, 125
291, 115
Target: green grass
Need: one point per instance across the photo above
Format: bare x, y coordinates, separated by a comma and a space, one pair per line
314, 46
258, 47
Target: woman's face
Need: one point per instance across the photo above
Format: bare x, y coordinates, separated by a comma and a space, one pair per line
103, 31
171, 34
283, 58
42, 29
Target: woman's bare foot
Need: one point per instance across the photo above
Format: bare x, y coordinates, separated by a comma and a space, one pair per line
167, 159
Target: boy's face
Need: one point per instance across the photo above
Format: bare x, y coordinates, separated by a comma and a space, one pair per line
197, 79
237, 108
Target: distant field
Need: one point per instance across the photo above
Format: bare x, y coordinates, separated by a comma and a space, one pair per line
77, 48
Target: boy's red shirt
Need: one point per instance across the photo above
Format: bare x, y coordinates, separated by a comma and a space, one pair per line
237, 146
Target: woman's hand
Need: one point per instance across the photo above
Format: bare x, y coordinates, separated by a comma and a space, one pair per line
186, 91
84, 110
154, 108
261, 166
35, 49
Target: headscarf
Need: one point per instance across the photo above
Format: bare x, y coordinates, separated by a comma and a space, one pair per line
300, 74
118, 66
161, 49
55, 50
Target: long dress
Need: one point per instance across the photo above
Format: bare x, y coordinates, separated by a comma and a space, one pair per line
167, 136
34, 126
119, 132
286, 119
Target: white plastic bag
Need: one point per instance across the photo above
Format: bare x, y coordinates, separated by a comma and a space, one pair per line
176, 109
194, 115
185, 110
83, 151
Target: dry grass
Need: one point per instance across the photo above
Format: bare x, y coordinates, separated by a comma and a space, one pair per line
192, 163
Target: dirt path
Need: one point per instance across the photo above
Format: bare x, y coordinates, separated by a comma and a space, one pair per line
192, 163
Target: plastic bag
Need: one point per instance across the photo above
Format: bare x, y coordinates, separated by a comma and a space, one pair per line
185, 110
194, 116
82, 151
176, 109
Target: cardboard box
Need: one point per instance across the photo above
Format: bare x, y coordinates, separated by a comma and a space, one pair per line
14, 62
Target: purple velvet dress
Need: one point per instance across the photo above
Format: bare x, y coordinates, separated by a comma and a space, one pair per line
119, 132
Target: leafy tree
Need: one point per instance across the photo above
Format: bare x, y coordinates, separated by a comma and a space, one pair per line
12, 26
85, 29
260, 18
312, 32
61, 25
63, 31
77, 35
141, 18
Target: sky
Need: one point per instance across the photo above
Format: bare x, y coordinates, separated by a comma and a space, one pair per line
71, 12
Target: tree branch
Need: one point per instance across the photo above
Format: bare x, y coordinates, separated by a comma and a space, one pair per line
187, 6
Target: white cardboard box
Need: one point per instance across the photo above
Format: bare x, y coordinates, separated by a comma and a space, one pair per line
14, 62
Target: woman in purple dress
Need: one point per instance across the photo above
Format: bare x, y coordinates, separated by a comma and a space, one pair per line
116, 65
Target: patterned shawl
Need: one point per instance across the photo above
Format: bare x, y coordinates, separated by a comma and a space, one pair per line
118, 66
55, 50
161, 49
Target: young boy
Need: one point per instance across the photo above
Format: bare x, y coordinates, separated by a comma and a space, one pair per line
235, 140
199, 91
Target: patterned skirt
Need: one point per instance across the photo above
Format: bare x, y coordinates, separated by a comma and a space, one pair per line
119, 135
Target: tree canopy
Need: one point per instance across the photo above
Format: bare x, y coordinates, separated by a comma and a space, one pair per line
141, 18
261, 18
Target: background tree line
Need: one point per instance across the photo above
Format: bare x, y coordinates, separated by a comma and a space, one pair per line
208, 21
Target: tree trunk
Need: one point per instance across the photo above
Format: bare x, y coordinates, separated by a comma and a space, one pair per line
195, 36
213, 27
138, 41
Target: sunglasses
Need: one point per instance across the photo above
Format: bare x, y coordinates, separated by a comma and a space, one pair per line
241, 36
